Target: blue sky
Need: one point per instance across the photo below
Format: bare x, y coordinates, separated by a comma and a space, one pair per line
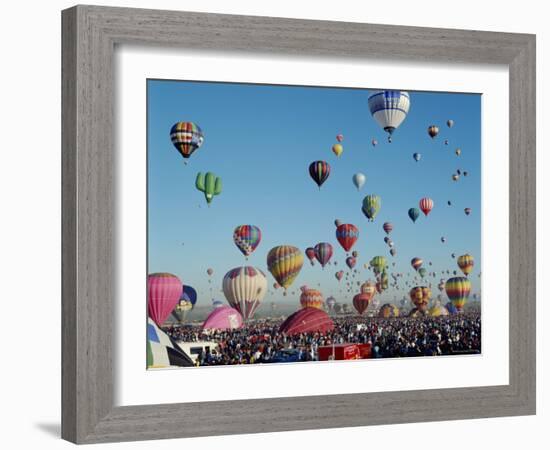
261, 139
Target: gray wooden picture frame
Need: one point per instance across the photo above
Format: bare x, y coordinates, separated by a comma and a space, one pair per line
90, 34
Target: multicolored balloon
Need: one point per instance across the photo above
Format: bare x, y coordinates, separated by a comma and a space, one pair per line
285, 262
311, 298
323, 253
388, 310
244, 288
458, 290
350, 262
414, 213
467, 211
389, 109
340, 137
378, 264
319, 171
371, 206
387, 227
163, 294
426, 204
347, 234
465, 263
420, 297
247, 238
186, 137
339, 275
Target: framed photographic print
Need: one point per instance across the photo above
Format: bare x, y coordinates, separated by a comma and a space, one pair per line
245, 198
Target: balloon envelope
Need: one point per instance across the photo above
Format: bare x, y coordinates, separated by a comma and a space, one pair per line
359, 180
223, 318
307, 320
163, 294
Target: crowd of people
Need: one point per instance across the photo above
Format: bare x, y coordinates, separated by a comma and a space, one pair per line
260, 341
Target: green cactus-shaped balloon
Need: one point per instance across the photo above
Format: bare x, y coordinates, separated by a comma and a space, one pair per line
209, 184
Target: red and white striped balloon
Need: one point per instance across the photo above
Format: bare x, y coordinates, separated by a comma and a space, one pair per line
426, 204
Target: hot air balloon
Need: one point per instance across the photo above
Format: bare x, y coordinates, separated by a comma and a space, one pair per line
438, 311
467, 211
450, 123
420, 297
340, 137
359, 180
355, 254
416, 263
210, 271
223, 318
347, 234
449, 202
339, 275
310, 253
426, 204
247, 238
374, 142
393, 251
323, 253
209, 184
441, 285
451, 308
371, 206
331, 301
244, 288
186, 137
446, 142
387, 227
163, 294
422, 272
458, 291
455, 177
388, 310
378, 264
465, 263
443, 239
319, 172
414, 213
337, 149
307, 320
433, 131
458, 152
337, 223
285, 262
361, 301
417, 156
350, 262
311, 298
465, 173
389, 109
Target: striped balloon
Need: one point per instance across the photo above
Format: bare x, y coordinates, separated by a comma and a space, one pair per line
319, 171
285, 262
310, 253
247, 238
323, 253
361, 302
371, 206
163, 294
311, 298
244, 288
186, 137
347, 234
378, 264
458, 290
426, 204
466, 263
388, 227
389, 109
